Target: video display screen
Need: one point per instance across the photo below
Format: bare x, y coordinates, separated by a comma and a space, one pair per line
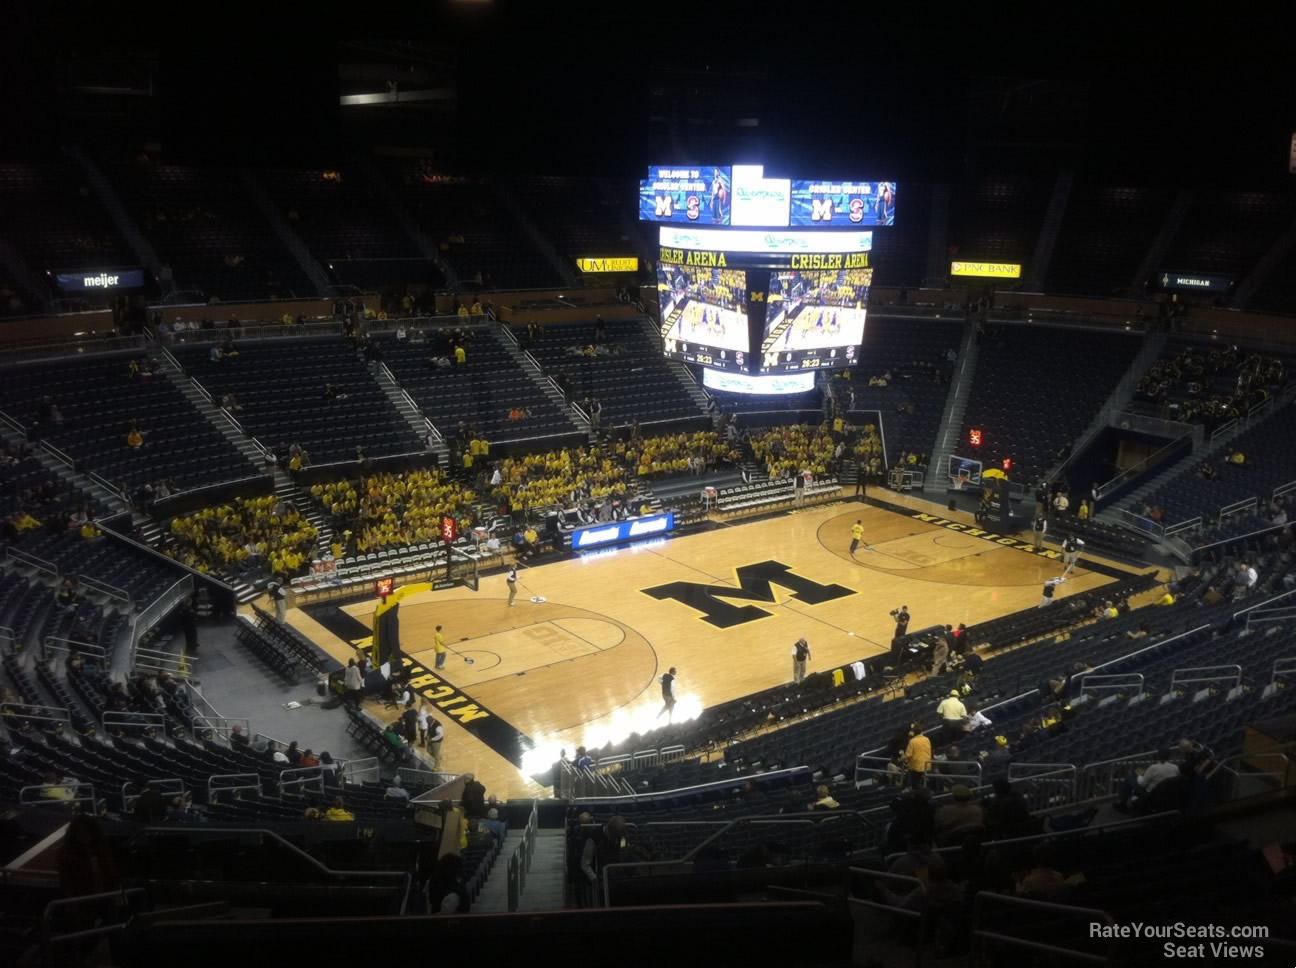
686, 194
704, 315
842, 202
814, 319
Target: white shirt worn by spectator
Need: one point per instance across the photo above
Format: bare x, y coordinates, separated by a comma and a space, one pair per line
978, 721
1156, 774
1251, 577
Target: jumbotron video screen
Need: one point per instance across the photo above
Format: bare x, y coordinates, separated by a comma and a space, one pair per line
814, 319
704, 315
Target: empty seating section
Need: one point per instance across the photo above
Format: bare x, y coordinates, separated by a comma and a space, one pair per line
1277, 291
914, 351
13, 301
205, 226
101, 402
769, 495
281, 389
473, 230
56, 221
900, 250
998, 220
1028, 398
483, 392
578, 214
634, 382
1227, 232
1104, 235
341, 219
1269, 465
141, 576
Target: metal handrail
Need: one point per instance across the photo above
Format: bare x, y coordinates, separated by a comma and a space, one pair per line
1113, 681
300, 778
895, 910
1094, 916
60, 455
92, 649
41, 714
49, 938
161, 783
1235, 675
1132, 472
111, 718
253, 783
221, 727
1147, 648
112, 591
354, 768
31, 561
1268, 601
77, 787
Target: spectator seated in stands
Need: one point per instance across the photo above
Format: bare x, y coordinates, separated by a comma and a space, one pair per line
955, 819
396, 791
394, 738
387, 510
824, 799
337, 811
1140, 784
493, 824
473, 797
675, 453
215, 540
566, 476
786, 451
1043, 881
1006, 813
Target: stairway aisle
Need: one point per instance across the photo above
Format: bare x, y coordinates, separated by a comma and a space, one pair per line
543, 890
505, 337
947, 435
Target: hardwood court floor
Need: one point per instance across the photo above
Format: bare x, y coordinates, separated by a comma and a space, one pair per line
582, 667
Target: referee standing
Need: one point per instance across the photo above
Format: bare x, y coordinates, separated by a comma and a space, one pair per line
512, 584
800, 656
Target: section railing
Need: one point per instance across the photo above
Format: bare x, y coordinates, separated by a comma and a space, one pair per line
1205, 678
519, 862
234, 783
115, 722
1127, 475
158, 609
1111, 684
56, 716
301, 780
1106, 777
61, 793
131, 791
53, 643
985, 900
31, 561
103, 588
363, 770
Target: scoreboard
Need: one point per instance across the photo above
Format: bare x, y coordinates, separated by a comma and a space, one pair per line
763, 275
842, 203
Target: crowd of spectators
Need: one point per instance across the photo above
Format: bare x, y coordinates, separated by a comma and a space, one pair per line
243, 536
390, 509
1194, 381
787, 451
675, 453
572, 475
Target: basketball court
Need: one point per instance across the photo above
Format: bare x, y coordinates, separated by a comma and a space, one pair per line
723, 606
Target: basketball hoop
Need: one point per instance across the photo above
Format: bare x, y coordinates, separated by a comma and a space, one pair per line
958, 480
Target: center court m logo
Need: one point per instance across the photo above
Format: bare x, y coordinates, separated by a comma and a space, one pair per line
755, 585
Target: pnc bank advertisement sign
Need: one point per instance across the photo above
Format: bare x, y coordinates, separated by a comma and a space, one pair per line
986, 270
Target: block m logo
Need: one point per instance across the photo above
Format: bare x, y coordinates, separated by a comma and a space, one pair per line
665, 206
821, 209
755, 585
